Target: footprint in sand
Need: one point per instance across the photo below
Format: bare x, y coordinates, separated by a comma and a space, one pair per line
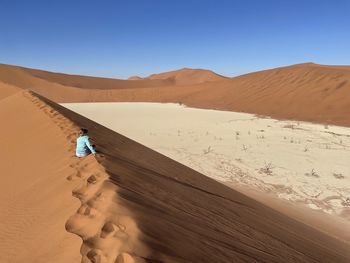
100, 197
80, 192
71, 138
53, 112
87, 210
124, 258
69, 178
79, 174
74, 165
92, 179
94, 256
86, 191
108, 229
82, 209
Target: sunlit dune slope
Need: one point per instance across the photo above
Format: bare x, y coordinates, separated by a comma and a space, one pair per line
308, 92
35, 197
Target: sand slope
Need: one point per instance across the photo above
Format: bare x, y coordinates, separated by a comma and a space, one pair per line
170, 213
7, 90
307, 92
35, 197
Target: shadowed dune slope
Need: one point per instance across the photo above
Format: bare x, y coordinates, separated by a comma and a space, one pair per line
306, 92
183, 216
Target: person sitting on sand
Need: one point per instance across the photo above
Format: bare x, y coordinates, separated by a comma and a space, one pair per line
84, 146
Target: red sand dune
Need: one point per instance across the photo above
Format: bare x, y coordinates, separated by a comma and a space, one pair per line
308, 92
136, 205
35, 198
187, 76
134, 78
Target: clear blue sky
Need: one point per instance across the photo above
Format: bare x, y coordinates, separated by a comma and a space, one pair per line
140, 37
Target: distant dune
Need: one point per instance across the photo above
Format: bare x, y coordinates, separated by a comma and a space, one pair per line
136, 205
187, 76
36, 79
308, 92
134, 78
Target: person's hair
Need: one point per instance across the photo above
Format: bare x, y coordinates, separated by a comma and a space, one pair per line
83, 131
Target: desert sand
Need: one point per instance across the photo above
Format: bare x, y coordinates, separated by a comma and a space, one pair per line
130, 203
301, 162
47, 193
7, 90
35, 197
305, 92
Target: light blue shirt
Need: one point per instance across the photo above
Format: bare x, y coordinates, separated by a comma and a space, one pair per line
83, 146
